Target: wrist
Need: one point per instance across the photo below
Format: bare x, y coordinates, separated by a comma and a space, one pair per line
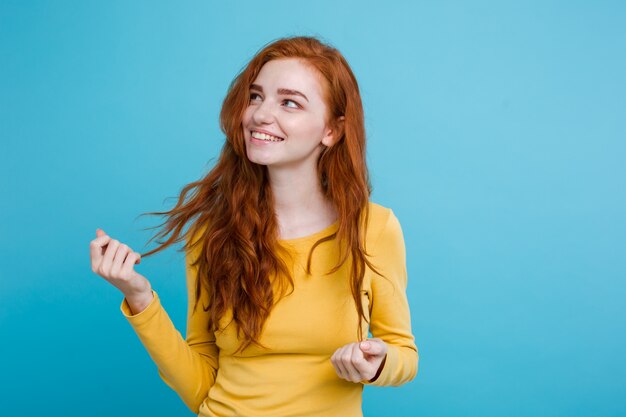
139, 302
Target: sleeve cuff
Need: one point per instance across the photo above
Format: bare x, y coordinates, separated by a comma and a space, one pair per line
143, 316
390, 365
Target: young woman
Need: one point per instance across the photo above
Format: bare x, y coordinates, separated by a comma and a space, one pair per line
288, 263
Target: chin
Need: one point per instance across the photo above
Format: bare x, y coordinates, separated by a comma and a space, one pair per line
256, 160
259, 162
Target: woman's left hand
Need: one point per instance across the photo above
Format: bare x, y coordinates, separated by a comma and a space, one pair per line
359, 362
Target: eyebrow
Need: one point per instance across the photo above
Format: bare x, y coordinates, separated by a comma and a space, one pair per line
284, 91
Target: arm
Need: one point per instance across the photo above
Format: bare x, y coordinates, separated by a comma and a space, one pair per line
188, 366
390, 315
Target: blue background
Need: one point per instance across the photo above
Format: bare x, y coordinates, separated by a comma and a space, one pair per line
497, 134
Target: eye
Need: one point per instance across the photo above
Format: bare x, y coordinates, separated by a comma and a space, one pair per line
291, 101
252, 95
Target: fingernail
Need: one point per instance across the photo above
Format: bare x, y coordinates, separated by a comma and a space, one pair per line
365, 345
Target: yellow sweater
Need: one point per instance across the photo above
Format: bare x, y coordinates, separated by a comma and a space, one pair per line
294, 376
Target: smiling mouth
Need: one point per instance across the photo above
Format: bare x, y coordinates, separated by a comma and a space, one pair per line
265, 137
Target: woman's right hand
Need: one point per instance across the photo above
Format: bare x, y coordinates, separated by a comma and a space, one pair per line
115, 261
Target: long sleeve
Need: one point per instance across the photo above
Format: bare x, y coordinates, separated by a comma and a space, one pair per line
187, 366
390, 315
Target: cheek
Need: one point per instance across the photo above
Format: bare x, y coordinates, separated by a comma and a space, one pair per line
306, 127
317, 132
245, 119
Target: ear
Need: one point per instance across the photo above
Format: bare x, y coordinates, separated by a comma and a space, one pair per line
333, 134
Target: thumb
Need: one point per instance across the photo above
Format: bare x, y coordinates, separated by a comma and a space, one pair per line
373, 347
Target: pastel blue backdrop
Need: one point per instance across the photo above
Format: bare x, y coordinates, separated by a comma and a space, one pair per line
497, 134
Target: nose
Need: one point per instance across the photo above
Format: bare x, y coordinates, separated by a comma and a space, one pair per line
263, 113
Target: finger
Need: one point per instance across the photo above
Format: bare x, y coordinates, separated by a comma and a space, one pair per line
351, 357
96, 250
100, 232
345, 358
107, 260
341, 369
373, 347
119, 258
129, 263
333, 360
138, 261
101, 240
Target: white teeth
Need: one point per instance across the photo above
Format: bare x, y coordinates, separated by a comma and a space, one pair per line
263, 136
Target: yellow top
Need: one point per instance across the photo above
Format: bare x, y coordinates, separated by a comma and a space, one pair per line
294, 376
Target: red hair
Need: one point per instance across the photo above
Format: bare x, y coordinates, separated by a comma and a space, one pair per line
233, 204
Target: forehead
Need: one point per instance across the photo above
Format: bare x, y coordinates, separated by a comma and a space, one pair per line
290, 73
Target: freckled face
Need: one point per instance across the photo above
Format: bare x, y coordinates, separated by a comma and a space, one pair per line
286, 102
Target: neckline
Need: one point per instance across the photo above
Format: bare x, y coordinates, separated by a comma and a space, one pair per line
316, 235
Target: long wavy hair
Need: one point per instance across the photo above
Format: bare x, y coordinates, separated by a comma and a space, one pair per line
231, 209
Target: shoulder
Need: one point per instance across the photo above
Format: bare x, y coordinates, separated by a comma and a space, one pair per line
193, 240
381, 224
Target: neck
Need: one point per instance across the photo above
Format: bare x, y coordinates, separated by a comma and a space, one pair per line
298, 197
